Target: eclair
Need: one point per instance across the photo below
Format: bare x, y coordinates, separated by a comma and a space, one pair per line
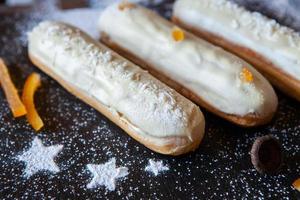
148, 110
272, 49
213, 78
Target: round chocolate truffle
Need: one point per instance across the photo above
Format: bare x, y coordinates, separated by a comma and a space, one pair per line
266, 154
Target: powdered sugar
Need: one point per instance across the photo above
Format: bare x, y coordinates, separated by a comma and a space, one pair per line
156, 167
106, 174
219, 169
144, 102
40, 158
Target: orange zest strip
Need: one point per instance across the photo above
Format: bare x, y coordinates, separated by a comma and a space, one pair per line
31, 85
246, 75
123, 5
17, 107
178, 34
296, 184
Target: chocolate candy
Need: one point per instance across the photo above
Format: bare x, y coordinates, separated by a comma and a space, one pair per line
266, 154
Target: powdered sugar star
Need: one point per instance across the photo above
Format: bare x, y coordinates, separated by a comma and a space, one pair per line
40, 158
156, 166
106, 174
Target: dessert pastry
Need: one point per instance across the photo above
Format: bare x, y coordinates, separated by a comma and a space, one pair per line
273, 49
148, 110
213, 78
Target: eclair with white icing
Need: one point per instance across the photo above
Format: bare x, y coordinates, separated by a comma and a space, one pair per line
148, 110
270, 47
213, 78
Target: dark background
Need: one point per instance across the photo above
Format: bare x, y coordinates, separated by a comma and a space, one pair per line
219, 169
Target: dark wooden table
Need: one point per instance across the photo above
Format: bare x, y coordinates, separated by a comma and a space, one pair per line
219, 169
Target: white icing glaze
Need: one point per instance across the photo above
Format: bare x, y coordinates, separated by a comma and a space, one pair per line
279, 44
152, 109
208, 71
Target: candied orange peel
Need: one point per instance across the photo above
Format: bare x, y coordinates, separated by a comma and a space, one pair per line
178, 34
17, 107
126, 5
246, 75
296, 184
31, 85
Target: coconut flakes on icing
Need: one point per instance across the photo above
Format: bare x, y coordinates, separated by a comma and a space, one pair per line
156, 100
195, 66
235, 24
257, 22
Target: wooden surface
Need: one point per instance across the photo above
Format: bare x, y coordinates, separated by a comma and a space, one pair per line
219, 169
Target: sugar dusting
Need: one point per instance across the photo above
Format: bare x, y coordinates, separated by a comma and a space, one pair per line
156, 167
40, 158
220, 168
106, 174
